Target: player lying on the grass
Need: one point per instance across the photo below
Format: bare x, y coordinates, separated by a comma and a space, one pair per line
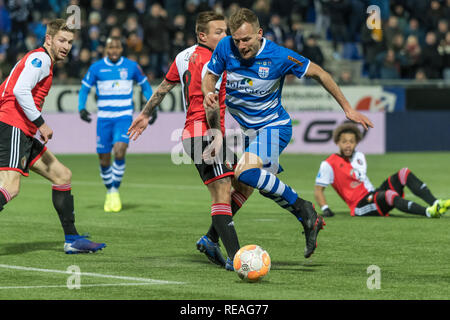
115, 113
256, 68
346, 172
22, 96
188, 69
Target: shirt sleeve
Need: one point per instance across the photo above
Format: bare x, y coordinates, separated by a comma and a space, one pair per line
139, 75
294, 63
36, 68
325, 176
217, 63
173, 75
90, 78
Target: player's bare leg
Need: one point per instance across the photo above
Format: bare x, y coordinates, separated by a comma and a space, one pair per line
9, 186
60, 176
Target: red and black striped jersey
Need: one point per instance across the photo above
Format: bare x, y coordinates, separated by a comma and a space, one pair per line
189, 69
23, 92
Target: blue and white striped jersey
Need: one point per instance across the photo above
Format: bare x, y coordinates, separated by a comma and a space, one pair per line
114, 86
253, 88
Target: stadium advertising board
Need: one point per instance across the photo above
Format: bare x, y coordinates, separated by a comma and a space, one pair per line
64, 98
363, 98
311, 134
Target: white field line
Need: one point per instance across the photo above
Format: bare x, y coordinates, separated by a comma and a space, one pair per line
89, 274
81, 285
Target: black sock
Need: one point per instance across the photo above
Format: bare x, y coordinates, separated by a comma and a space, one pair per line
420, 189
237, 200
409, 206
63, 203
222, 221
4, 197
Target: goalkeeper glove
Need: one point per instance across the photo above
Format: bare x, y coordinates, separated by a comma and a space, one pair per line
85, 115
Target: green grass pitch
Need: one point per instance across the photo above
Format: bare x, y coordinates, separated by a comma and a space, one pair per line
166, 209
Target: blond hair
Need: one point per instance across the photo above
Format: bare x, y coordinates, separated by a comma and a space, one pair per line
241, 16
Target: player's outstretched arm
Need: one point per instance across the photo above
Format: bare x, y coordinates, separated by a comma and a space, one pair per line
212, 111
325, 79
141, 122
321, 201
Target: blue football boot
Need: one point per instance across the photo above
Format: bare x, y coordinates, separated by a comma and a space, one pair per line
211, 250
80, 244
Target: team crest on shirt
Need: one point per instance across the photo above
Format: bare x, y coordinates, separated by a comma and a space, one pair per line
228, 165
263, 72
23, 162
123, 73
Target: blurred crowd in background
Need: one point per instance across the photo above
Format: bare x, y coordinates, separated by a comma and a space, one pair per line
413, 43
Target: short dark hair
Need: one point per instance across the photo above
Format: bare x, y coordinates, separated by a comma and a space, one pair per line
241, 16
58, 25
347, 127
203, 18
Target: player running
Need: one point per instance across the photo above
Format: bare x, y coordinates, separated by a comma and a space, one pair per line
188, 69
22, 95
256, 68
113, 77
346, 172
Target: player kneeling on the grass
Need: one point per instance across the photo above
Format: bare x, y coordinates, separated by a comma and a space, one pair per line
346, 172
23, 94
188, 69
113, 77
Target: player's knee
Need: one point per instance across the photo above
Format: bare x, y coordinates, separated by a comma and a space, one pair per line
64, 176
403, 175
220, 190
390, 197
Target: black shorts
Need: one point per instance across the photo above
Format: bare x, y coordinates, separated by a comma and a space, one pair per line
373, 204
18, 152
376, 203
221, 168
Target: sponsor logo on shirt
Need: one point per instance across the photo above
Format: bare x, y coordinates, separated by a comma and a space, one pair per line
36, 63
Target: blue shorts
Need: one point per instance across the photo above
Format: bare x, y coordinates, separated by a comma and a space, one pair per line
110, 131
268, 143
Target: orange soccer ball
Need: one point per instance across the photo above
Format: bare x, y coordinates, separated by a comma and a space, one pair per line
251, 263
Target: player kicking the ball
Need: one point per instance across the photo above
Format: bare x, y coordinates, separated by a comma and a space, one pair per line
21, 98
188, 69
256, 68
346, 172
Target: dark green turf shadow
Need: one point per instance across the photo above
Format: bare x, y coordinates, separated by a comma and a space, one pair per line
21, 248
293, 265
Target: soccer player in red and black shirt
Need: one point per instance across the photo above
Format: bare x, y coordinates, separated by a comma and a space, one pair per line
22, 95
188, 69
346, 172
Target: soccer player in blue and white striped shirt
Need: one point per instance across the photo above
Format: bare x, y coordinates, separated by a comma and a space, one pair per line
114, 77
256, 68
